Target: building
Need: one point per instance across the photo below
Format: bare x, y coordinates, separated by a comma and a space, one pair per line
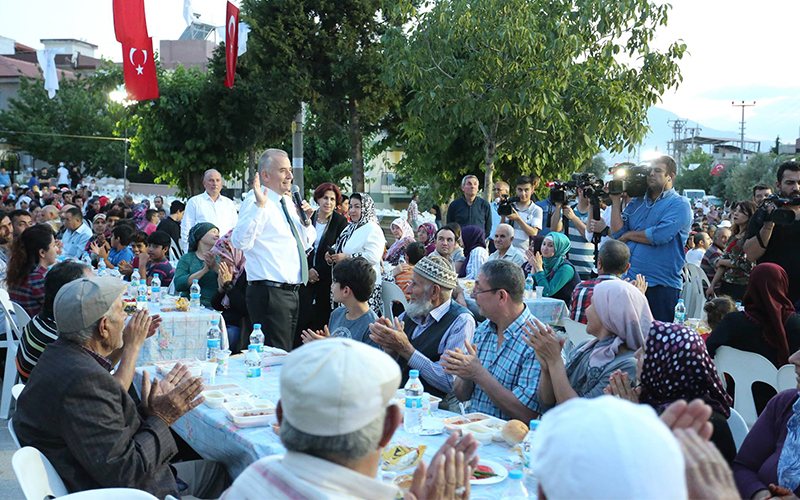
193, 48
721, 148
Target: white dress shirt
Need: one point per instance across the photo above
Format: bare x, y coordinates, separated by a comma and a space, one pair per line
266, 239
201, 208
75, 241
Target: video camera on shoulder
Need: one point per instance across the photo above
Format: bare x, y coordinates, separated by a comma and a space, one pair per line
504, 207
565, 192
630, 179
781, 215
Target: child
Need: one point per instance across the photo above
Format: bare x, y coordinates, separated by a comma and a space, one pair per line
119, 252
154, 261
353, 282
151, 216
402, 273
139, 247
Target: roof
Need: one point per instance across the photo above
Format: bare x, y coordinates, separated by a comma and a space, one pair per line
69, 40
84, 62
18, 47
703, 140
14, 68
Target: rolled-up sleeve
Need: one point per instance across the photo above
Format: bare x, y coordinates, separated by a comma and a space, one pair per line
674, 220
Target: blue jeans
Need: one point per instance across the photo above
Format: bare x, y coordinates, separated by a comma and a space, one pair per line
233, 336
663, 300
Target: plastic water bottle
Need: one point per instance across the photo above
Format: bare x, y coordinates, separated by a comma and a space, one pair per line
252, 361
115, 272
87, 259
680, 313
739, 306
257, 337
213, 340
412, 417
529, 287
135, 277
155, 288
515, 488
141, 295
527, 449
101, 267
194, 296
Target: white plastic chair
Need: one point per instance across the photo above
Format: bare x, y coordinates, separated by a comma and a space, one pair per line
13, 433
738, 428
111, 494
11, 343
745, 368
36, 475
576, 331
21, 318
693, 292
390, 292
787, 378
17, 390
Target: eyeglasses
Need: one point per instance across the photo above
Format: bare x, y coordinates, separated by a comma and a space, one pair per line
476, 292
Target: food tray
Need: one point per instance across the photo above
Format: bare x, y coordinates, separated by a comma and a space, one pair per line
241, 419
271, 356
164, 367
494, 424
251, 405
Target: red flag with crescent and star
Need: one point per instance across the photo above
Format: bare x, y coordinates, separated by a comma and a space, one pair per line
231, 43
717, 170
129, 21
139, 67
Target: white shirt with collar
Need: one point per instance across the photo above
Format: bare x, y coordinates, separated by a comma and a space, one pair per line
266, 239
201, 208
297, 475
75, 241
513, 254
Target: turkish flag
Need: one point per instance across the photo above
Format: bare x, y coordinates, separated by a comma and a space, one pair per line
717, 170
139, 67
231, 43
129, 21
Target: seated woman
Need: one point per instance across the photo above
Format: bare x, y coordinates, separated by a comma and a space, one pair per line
32, 253
733, 269
769, 325
231, 294
473, 239
665, 373
199, 263
404, 236
426, 234
550, 268
770, 454
619, 317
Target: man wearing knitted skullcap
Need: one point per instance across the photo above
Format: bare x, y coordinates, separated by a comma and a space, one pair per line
431, 324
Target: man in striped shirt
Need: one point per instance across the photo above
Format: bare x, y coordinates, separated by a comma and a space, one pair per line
41, 330
581, 254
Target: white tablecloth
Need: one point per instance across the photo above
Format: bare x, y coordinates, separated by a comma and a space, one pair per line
181, 335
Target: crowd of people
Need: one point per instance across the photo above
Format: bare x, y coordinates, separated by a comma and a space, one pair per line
312, 277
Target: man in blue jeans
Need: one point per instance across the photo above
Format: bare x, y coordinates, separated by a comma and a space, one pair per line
655, 228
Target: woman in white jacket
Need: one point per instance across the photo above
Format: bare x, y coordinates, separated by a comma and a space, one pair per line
363, 237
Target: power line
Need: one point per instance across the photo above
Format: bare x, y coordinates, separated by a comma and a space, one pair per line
741, 150
102, 138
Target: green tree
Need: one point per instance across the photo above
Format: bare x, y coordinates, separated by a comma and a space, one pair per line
759, 169
328, 55
699, 178
544, 84
42, 126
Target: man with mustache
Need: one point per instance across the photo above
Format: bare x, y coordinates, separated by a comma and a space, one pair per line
768, 242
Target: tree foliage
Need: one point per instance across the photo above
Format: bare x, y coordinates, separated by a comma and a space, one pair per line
40, 125
542, 84
699, 178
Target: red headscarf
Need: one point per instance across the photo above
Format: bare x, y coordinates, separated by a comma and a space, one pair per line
766, 302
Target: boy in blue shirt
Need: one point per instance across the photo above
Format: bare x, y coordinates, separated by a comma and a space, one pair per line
119, 252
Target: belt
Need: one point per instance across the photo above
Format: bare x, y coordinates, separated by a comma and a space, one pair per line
276, 284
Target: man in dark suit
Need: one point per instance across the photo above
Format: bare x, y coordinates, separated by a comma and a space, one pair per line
83, 420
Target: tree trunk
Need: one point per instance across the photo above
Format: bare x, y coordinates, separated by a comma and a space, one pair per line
195, 183
251, 169
356, 148
488, 163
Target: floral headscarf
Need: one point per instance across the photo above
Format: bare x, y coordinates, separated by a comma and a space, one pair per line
430, 244
225, 249
405, 239
139, 212
367, 216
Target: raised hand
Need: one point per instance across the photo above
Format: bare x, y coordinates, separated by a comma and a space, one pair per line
260, 196
172, 405
694, 415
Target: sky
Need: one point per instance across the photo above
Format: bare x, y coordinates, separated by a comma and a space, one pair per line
738, 50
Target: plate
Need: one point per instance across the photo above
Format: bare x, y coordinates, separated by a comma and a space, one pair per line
498, 469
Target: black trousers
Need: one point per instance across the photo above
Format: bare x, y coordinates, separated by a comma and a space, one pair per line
276, 309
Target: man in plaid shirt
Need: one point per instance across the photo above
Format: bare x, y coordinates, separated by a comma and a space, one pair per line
613, 260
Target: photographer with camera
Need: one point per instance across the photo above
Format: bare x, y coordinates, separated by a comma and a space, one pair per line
774, 231
655, 227
521, 213
581, 254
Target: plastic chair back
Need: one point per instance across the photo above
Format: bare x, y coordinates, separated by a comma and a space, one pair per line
693, 292
13, 434
738, 428
787, 378
111, 494
17, 390
390, 292
576, 331
745, 368
36, 475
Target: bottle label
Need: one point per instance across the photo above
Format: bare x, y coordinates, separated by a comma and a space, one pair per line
195, 296
414, 403
253, 371
213, 343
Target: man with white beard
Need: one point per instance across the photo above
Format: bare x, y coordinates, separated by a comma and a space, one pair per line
431, 324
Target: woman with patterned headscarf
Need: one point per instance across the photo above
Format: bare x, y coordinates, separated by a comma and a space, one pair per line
231, 293
362, 237
199, 263
404, 236
426, 234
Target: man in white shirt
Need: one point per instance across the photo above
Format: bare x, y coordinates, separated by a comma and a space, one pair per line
503, 241
274, 248
526, 216
335, 420
76, 235
211, 207
63, 176
702, 241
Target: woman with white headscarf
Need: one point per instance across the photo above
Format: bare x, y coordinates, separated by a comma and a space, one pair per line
619, 317
23, 202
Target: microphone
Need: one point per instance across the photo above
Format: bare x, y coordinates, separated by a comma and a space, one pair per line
298, 201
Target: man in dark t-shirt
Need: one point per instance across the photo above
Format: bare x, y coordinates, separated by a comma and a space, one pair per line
770, 242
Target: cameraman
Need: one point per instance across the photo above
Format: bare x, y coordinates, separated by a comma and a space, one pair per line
768, 242
581, 253
526, 216
655, 228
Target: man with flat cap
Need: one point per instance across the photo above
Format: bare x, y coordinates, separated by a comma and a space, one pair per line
82, 418
335, 419
432, 324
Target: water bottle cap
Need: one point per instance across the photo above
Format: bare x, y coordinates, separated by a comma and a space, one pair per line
534, 424
257, 325
413, 373
194, 281
116, 268
515, 474
680, 301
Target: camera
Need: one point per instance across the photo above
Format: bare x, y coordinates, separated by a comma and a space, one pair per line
781, 216
630, 179
561, 192
504, 207
564, 192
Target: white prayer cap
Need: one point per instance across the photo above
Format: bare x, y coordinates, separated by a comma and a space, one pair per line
607, 448
336, 386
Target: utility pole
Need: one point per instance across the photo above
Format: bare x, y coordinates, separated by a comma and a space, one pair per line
677, 127
297, 148
742, 105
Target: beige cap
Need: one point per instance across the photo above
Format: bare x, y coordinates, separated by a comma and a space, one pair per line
336, 386
80, 303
